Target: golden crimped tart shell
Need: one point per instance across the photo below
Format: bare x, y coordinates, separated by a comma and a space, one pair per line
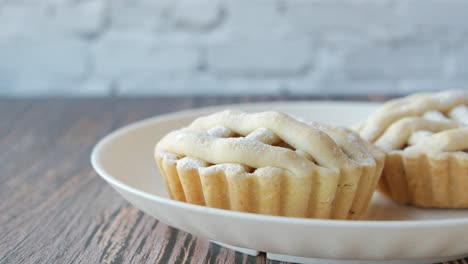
270, 163
425, 137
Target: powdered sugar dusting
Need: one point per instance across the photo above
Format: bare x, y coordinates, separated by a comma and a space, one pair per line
418, 137
436, 116
260, 142
248, 145
167, 156
229, 168
362, 155
191, 163
448, 97
460, 114
263, 135
179, 136
220, 132
317, 125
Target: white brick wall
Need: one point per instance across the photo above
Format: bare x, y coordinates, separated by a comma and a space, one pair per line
400, 61
264, 58
310, 47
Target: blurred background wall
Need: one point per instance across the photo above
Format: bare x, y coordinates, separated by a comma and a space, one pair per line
203, 47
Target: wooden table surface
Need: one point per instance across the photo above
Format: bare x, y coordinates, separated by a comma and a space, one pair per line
55, 209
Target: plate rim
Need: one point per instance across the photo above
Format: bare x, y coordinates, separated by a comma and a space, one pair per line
379, 224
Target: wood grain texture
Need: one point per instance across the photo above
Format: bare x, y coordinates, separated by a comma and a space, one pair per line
55, 209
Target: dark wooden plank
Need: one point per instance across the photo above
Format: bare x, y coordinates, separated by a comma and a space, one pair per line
55, 209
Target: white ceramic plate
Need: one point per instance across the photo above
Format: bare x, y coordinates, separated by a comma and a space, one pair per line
390, 233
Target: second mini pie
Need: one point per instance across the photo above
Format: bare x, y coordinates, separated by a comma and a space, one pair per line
270, 163
425, 137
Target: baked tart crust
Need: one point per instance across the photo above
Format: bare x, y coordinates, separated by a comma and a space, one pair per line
270, 163
425, 137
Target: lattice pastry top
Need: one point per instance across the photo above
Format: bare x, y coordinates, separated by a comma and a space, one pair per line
428, 122
267, 139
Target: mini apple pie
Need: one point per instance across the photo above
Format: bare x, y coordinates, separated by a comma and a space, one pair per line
425, 137
270, 163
